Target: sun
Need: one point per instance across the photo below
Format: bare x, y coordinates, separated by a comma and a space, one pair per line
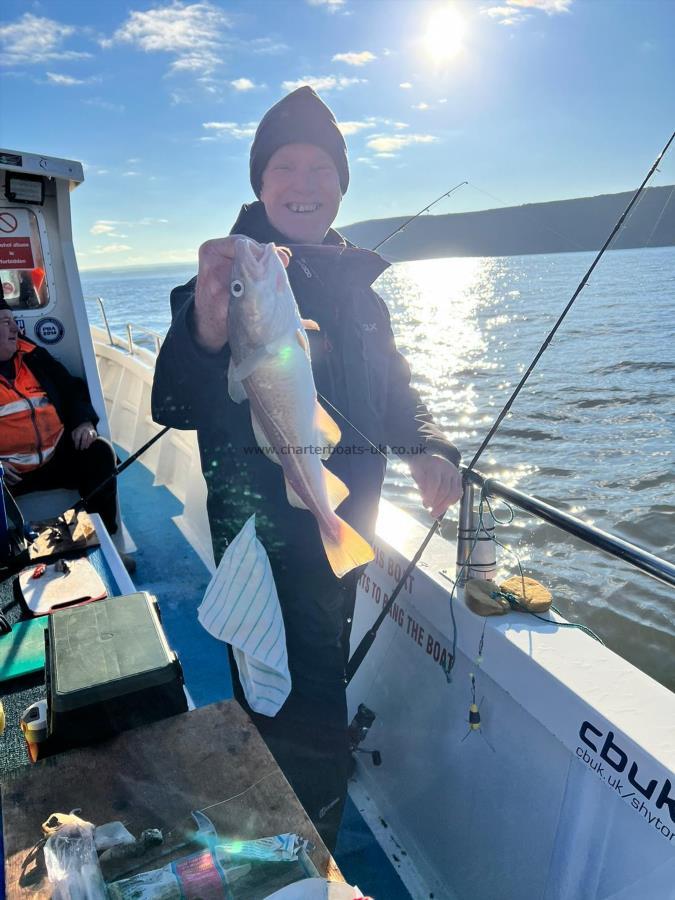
444, 35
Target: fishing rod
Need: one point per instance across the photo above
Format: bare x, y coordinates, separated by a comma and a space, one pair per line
417, 215
81, 504
368, 639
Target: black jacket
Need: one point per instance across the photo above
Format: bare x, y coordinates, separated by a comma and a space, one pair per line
356, 368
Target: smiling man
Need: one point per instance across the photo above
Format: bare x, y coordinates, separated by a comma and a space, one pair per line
299, 172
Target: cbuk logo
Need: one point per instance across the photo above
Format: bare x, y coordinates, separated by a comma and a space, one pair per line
618, 759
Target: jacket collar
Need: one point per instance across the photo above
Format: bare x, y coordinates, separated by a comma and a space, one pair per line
334, 258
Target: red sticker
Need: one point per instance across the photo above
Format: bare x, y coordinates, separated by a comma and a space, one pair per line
16, 253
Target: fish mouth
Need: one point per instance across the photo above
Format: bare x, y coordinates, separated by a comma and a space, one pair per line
303, 209
252, 258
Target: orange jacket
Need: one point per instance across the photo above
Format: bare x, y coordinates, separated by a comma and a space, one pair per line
30, 426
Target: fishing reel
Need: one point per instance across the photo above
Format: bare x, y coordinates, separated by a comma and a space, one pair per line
358, 731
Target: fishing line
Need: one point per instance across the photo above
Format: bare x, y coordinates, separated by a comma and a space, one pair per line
532, 218
417, 215
552, 332
661, 214
367, 641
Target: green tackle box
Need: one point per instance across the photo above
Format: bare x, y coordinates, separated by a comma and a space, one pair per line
109, 668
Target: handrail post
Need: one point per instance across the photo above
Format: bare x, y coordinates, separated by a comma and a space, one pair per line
105, 320
476, 549
130, 339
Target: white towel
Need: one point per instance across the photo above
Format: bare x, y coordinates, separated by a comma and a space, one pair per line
241, 607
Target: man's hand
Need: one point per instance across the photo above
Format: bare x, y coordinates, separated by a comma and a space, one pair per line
84, 435
12, 475
212, 296
438, 480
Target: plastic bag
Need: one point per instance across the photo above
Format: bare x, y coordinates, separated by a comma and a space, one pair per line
72, 863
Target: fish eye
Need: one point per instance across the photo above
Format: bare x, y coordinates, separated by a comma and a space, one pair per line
236, 288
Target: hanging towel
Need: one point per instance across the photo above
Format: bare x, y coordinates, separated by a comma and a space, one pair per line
241, 607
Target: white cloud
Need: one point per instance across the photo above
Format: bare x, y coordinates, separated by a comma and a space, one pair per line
111, 248
130, 174
331, 6
355, 59
231, 129
323, 82
513, 12
421, 105
103, 226
66, 80
266, 45
548, 6
390, 144
35, 39
354, 127
108, 227
245, 84
192, 33
104, 104
405, 85
349, 128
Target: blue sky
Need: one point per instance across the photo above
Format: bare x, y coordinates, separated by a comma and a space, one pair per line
526, 99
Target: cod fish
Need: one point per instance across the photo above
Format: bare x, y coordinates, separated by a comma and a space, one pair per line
270, 365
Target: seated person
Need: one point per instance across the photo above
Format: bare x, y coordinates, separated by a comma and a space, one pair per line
48, 435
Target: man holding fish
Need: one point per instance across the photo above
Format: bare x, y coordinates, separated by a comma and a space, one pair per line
282, 357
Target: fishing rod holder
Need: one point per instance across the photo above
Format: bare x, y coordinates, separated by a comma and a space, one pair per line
476, 548
358, 731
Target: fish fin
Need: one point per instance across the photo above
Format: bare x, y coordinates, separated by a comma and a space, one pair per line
310, 325
301, 338
234, 386
262, 440
328, 433
336, 489
348, 550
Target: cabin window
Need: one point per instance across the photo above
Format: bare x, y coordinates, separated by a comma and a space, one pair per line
22, 266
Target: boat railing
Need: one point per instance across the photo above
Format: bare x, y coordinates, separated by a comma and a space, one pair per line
476, 549
130, 328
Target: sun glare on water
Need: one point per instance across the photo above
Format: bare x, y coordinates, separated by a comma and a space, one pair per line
444, 34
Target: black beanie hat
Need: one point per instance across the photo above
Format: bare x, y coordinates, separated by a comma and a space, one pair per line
300, 117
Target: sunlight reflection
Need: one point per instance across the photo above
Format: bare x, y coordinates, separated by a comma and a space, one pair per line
449, 316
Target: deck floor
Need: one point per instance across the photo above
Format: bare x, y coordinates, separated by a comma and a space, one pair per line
168, 568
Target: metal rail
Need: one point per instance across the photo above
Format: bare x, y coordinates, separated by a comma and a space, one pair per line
101, 304
632, 554
153, 334
130, 328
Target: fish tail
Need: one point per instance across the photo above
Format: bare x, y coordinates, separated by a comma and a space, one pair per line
347, 549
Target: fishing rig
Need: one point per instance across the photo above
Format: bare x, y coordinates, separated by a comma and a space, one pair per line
470, 531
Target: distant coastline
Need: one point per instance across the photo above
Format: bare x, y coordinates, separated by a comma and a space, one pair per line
559, 226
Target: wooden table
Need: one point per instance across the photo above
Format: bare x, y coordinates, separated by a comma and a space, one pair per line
211, 759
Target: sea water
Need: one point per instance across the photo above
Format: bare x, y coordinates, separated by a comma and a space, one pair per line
592, 432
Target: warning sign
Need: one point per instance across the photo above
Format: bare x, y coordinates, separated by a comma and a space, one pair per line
16, 253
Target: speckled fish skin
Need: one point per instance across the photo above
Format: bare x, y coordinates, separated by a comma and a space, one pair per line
271, 367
